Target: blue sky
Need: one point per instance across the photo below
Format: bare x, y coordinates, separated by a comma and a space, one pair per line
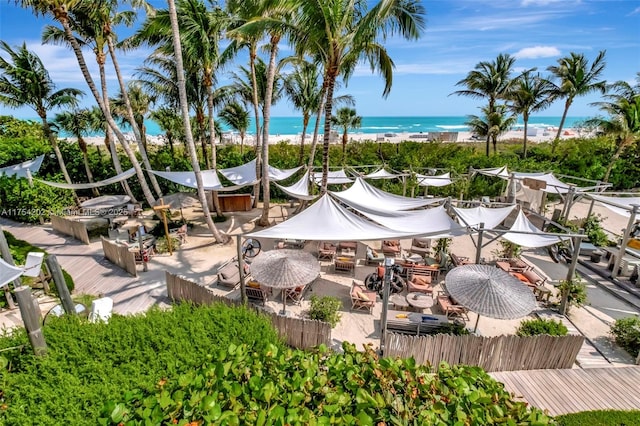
459, 34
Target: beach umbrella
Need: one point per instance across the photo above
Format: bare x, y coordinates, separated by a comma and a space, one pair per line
285, 269
490, 291
179, 201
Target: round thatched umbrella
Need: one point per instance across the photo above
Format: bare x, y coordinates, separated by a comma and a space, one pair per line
490, 291
285, 269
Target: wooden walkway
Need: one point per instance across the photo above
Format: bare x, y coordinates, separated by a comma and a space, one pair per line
575, 390
91, 272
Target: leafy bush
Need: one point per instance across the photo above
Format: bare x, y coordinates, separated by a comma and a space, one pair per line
163, 247
325, 309
539, 326
601, 418
88, 364
239, 386
577, 292
594, 231
626, 332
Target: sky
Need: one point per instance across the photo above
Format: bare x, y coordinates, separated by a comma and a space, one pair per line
459, 34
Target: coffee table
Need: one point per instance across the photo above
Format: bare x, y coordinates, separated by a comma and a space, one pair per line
419, 300
399, 301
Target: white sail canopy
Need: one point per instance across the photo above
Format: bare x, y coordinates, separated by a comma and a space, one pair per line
500, 172
434, 221
620, 205
210, 180
364, 197
336, 177
299, 190
380, 174
115, 179
527, 235
276, 175
439, 180
554, 185
241, 175
8, 273
491, 217
326, 220
21, 170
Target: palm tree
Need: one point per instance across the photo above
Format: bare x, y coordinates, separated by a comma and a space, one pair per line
623, 123
170, 123
576, 78
26, 82
59, 11
339, 33
493, 123
346, 119
304, 90
78, 124
184, 108
235, 116
488, 80
529, 93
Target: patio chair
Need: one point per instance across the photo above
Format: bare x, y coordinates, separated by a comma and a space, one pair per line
391, 248
459, 260
420, 246
361, 298
229, 275
180, 233
373, 257
450, 307
347, 248
326, 250
420, 284
294, 295
256, 293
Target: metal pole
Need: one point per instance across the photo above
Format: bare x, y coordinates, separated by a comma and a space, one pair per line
243, 291
388, 274
404, 186
625, 239
572, 271
479, 248
567, 202
512, 189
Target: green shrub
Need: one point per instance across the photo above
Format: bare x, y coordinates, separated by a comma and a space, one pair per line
626, 332
239, 386
600, 418
577, 292
88, 364
325, 309
163, 247
539, 326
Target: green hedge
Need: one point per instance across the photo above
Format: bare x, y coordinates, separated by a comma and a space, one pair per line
88, 363
626, 333
539, 326
601, 418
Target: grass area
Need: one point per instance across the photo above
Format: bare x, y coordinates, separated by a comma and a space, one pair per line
601, 418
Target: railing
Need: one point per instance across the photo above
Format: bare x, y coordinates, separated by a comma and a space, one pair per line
74, 228
500, 353
120, 255
297, 332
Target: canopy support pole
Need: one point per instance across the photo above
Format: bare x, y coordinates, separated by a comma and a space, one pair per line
475, 328
577, 240
625, 239
243, 288
404, 186
5, 253
479, 247
388, 272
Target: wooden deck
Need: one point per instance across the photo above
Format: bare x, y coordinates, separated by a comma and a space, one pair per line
571, 391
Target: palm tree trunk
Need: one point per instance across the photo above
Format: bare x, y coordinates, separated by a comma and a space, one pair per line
266, 117
488, 152
327, 132
56, 149
316, 128
345, 139
305, 123
212, 141
138, 131
524, 140
554, 145
184, 107
85, 159
116, 163
105, 110
256, 113
616, 155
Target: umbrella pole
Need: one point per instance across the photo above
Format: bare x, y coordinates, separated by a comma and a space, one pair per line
476, 326
284, 303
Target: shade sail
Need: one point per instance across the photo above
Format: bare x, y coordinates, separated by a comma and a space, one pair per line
8, 273
178, 200
527, 235
327, 220
299, 190
105, 202
210, 180
21, 170
620, 205
439, 180
276, 175
115, 179
241, 175
381, 174
491, 217
336, 177
554, 185
365, 197
501, 172
285, 268
490, 291
433, 222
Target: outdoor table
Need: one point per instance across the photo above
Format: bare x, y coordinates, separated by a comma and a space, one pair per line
399, 301
419, 300
414, 322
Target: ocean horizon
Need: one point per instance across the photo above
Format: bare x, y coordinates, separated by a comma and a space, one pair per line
376, 125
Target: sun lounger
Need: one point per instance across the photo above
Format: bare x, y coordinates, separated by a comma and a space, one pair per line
326, 251
391, 248
361, 298
450, 307
373, 257
420, 246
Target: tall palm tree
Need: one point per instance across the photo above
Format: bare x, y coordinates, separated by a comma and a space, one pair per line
489, 80
184, 108
339, 33
59, 10
623, 121
26, 82
576, 78
304, 90
346, 118
78, 124
170, 123
235, 116
529, 93
494, 122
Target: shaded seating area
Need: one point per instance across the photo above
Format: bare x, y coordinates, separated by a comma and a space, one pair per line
420, 246
290, 244
535, 282
415, 323
459, 260
513, 265
229, 274
257, 293
295, 295
420, 284
347, 248
361, 297
373, 257
344, 264
391, 248
450, 307
326, 250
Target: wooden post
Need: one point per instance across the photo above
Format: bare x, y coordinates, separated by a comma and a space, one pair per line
571, 272
388, 272
6, 255
145, 268
625, 239
32, 319
61, 285
243, 291
479, 248
404, 186
162, 208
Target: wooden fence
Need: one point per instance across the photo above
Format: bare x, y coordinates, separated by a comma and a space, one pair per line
120, 255
500, 353
297, 332
74, 228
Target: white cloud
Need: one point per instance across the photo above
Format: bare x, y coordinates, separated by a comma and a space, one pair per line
635, 11
537, 52
541, 2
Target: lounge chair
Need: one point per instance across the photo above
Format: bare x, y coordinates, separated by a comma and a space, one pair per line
450, 307
256, 293
347, 248
459, 260
294, 295
229, 275
373, 257
180, 233
326, 251
420, 246
391, 248
361, 298
420, 284
513, 265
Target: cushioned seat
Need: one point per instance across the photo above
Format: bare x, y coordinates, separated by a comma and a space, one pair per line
420, 284
361, 298
391, 248
373, 257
